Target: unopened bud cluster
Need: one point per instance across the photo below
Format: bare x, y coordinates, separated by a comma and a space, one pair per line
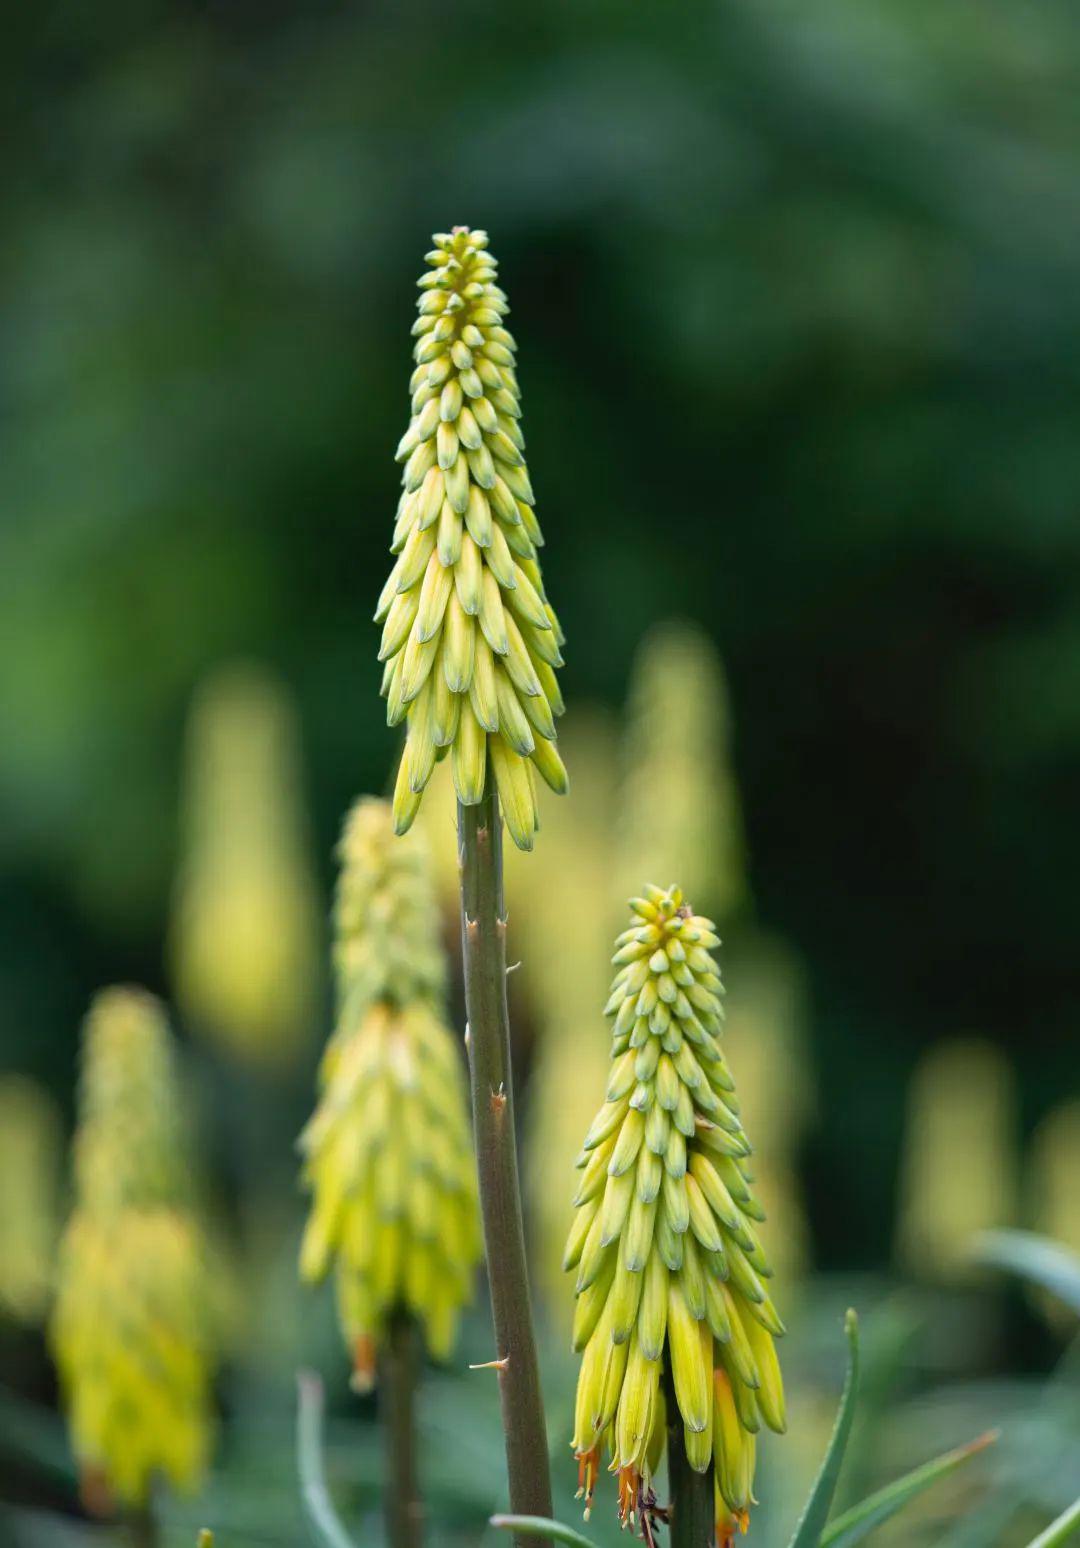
470, 642
670, 1271
388, 1150
131, 1328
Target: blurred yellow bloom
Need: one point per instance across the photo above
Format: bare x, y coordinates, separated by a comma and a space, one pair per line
958, 1172
131, 1328
679, 809
246, 934
29, 1166
388, 1151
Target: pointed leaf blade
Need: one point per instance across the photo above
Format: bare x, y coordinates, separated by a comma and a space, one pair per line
541, 1526
868, 1514
811, 1523
1059, 1531
1036, 1258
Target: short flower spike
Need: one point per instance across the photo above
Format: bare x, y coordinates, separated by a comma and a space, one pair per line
388, 1152
131, 1328
470, 642
670, 1270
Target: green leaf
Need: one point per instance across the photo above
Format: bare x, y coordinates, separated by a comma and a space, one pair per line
1059, 1531
1033, 1257
324, 1520
811, 1523
540, 1526
861, 1519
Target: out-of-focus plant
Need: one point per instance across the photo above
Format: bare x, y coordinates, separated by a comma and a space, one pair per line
958, 1174
133, 1325
29, 1166
680, 813
245, 929
674, 1323
558, 921
470, 645
765, 1044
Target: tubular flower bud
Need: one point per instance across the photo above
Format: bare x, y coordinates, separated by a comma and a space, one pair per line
469, 640
388, 1150
669, 1264
132, 1324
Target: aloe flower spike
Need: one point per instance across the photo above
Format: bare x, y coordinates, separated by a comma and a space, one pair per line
470, 642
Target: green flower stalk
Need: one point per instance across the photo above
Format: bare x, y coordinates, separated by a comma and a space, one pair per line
132, 1327
670, 1269
470, 642
388, 1151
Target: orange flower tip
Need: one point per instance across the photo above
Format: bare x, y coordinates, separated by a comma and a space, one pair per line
363, 1372
94, 1491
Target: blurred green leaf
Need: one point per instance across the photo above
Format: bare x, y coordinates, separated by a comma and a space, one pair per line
1044, 1262
811, 1523
862, 1519
1059, 1531
324, 1520
541, 1526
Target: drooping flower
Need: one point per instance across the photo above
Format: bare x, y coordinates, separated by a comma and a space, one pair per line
670, 1269
470, 642
132, 1327
388, 1150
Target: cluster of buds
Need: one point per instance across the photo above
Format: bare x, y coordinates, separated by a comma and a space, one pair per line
470, 642
388, 1150
131, 1328
670, 1270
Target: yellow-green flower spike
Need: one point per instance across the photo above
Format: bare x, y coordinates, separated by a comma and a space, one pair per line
388, 1151
671, 1275
470, 642
132, 1324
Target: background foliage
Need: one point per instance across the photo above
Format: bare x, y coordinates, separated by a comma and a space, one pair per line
797, 294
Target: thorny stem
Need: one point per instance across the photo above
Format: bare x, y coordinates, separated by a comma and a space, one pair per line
483, 933
692, 1523
397, 1391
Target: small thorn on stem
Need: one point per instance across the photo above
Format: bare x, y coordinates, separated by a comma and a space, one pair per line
468, 1037
512, 968
498, 1100
501, 1364
472, 930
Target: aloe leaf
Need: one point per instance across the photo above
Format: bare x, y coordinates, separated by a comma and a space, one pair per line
1033, 1257
323, 1519
1059, 1531
861, 1519
540, 1526
811, 1523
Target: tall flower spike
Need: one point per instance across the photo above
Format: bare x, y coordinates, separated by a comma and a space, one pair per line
670, 1269
388, 1150
132, 1325
469, 642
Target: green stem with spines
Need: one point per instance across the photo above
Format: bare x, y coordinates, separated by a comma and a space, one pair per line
483, 934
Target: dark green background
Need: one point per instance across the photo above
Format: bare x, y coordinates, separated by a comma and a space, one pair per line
797, 295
